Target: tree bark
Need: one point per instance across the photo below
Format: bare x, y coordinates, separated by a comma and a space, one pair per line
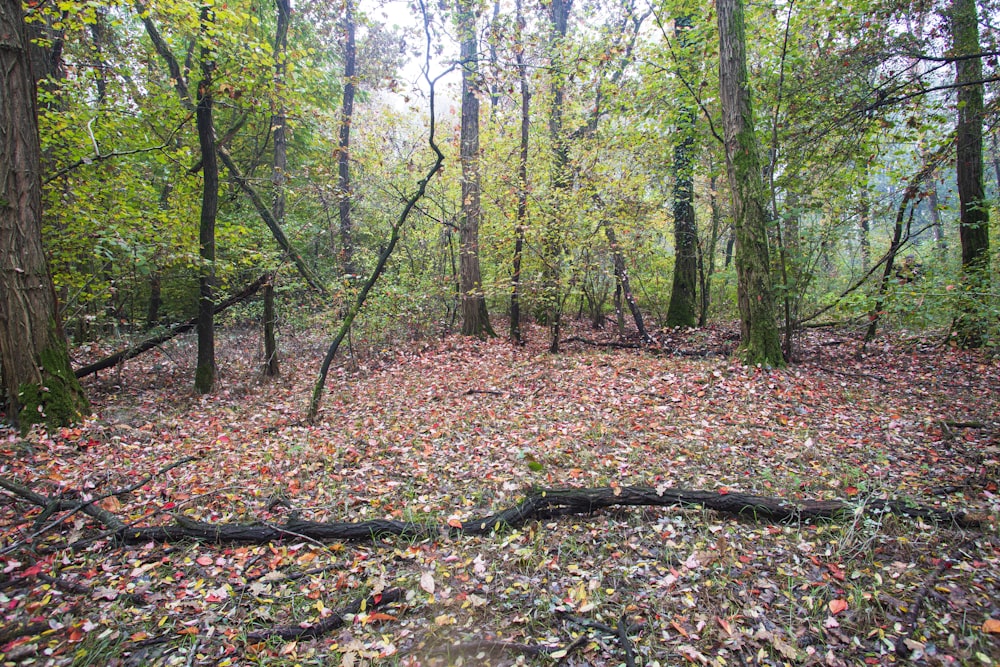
204, 378
761, 341
621, 274
974, 220
683, 298
37, 379
560, 176
475, 319
344, 143
522, 181
279, 176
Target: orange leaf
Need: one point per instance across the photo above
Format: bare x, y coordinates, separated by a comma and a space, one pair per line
454, 523
189, 630
837, 606
991, 626
379, 616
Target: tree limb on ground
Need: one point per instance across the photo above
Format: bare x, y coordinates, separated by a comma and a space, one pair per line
176, 330
540, 504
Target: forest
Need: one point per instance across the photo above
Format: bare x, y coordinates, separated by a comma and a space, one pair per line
556, 332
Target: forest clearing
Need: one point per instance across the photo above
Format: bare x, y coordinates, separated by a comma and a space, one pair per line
439, 431
541, 332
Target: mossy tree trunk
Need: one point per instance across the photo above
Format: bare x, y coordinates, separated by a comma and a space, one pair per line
761, 341
974, 215
38, 381
683, 298
475, 319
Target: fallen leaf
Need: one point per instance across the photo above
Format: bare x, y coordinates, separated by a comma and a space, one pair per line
991, 626
837, 606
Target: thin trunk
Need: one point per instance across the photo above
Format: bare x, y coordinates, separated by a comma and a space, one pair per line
37, 378
683, 293
940, 244
761, 342
279, 176
204, 379
972, 321
522, 182
709, 270
155, 300
272, 368
560, 176
494, 60
344, 145
475, 320
864, 221
621, 273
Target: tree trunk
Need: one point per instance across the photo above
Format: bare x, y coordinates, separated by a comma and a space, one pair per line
279, 176
864, 221
708, 268
681, 312
522, 183
761, 341
344, 145
974, 216
621, 274
560, 177
37, 378
204, 378
475, 320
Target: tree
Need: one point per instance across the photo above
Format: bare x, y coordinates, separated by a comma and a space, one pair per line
475, 320
37, 377
522, 178
560, 175
279, 173
974, 215
344, 145
681, 312
761, 342
204, 375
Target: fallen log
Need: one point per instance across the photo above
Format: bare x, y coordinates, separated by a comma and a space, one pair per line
176, 330
539, 504
543, 504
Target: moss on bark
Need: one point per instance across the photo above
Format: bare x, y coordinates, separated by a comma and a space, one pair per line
59, 399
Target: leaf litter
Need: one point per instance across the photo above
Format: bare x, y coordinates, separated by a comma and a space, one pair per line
440, 431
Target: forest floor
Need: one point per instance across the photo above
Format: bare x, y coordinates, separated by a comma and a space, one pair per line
441, 430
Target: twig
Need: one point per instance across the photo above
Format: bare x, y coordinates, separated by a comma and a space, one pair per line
332, 622
625, 641
902, 650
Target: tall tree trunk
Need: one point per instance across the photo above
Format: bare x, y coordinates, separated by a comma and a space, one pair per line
708, 268
279, 176
761, 341
560, 176
681, 312
974, 215
344, 146
522, 182
204, 378
475, 320
37, 378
